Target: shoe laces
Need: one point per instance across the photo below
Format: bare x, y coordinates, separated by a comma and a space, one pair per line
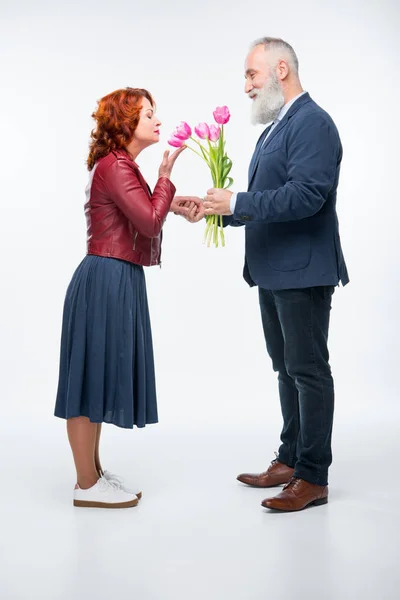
275, 460
115, 478
292, 481
106, 484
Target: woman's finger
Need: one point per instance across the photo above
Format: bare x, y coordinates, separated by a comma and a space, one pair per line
176, 154
192, 213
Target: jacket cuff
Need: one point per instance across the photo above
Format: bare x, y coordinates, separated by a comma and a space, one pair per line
243, 200
170, 186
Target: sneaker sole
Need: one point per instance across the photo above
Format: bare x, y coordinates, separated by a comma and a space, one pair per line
88, 504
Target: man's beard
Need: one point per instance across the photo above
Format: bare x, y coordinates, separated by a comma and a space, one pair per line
268, 102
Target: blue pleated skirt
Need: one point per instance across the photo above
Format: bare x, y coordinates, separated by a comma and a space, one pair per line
106, 358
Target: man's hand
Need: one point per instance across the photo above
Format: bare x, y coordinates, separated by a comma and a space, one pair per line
190, 207
217, 202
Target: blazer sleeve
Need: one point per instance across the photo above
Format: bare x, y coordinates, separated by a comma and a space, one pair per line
313, 156
230, 220
146, 213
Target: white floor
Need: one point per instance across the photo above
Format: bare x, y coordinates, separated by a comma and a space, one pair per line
197, 533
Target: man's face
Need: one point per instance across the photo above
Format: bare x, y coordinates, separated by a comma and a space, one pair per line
256, 70
263, 87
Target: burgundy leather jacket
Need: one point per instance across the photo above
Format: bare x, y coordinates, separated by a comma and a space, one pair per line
124, 220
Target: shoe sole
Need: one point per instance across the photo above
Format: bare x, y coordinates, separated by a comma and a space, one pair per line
89, 504
254, 485
139, 495
318, 502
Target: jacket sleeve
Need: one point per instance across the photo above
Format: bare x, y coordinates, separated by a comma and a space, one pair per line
313, 155
231, 221
147, 214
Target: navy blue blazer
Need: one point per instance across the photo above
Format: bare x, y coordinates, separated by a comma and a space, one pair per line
292, 234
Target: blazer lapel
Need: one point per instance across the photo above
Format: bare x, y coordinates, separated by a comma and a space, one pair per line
277, 129
260, 146
256, 153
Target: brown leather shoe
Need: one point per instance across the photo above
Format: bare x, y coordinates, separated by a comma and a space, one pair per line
276, 474
296, 495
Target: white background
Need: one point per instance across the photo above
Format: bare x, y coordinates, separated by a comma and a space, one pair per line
217, 392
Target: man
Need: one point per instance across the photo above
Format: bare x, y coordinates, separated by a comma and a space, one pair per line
294, 256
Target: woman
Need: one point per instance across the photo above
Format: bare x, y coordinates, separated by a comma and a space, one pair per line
106, 363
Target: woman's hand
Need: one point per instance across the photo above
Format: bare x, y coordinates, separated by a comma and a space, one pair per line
168, 162
190, 207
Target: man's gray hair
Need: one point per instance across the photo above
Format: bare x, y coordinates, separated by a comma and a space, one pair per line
278, 49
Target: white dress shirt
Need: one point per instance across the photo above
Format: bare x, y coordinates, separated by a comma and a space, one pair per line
282, 113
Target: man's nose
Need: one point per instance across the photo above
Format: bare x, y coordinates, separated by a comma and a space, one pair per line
248, 86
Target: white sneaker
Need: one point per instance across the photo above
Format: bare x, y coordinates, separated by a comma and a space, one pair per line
112, 478
104, 494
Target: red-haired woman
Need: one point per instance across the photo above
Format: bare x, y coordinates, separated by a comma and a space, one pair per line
106, 362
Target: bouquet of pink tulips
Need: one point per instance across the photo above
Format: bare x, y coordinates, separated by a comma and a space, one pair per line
216, 158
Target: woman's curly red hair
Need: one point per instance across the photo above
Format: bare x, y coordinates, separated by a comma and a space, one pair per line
117, 117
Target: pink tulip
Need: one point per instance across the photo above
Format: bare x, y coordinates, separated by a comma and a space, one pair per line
202, 131
183, 131
221, 115
175, 142
214, 133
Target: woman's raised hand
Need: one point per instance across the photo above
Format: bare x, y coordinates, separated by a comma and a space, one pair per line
168, 162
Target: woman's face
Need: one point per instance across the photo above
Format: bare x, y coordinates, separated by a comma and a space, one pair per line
148, 130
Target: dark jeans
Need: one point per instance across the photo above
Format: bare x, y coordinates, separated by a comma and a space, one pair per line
296, 324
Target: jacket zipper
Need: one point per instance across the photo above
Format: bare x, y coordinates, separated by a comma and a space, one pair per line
134, 240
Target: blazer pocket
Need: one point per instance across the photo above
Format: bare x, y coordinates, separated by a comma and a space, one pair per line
288, 246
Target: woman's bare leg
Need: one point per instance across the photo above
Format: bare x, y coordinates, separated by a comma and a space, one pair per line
82, 435
97, 451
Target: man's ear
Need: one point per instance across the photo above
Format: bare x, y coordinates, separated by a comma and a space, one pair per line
282, 69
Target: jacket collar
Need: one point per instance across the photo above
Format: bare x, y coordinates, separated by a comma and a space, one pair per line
303, 99
125, 154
